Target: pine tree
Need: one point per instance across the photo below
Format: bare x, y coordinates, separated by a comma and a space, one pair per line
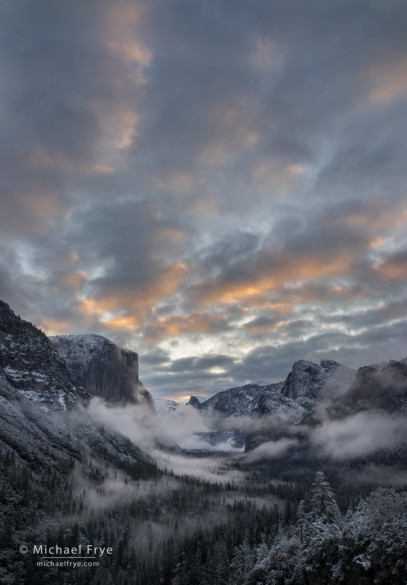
323, 502
218, 564
243, 561
302, 521
322, 536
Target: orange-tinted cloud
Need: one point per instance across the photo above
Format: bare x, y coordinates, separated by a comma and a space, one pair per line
127, 309
40, 158
280, 308
55, 326
178, 181
388, 82
377, 242
286, 271
258, 327
272, 177
309, 293
175, 326
133, 50
122, 323
394, 267
237, 134
32, 211
373, 221
73, 282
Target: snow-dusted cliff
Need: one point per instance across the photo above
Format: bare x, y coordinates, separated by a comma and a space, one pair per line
42, 423
30, 364
103, 368
309, 383
306, 386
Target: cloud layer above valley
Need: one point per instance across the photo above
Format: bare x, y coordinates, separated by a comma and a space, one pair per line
220, 186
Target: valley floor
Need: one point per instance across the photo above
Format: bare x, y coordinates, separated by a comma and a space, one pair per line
280, 522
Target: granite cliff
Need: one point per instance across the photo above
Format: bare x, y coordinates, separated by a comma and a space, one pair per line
30, 364
103, 368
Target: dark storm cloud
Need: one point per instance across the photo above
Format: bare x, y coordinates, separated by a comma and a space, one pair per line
198, 175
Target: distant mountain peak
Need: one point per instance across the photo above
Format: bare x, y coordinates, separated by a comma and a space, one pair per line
195, 401
164, 407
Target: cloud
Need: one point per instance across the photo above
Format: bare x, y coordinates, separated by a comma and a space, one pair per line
386, 475
394, 266
175, 326
159, 438
324, 249
144, 428
359, 435
270, 450
221, 179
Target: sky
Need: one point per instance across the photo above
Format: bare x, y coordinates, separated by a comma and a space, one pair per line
219, 185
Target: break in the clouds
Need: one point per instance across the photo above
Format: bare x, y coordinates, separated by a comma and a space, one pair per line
220, 186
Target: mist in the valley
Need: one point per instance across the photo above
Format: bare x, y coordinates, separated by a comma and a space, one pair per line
270, 450
162, 438
359, 435
114, 486
382, 475
171, 441
143, 427
166, 439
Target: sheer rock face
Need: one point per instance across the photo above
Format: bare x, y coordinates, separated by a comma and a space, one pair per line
40, 419
378, 386
103, 368
30, 364
306, 386
273, 406
309, 383
250, 401
193, 401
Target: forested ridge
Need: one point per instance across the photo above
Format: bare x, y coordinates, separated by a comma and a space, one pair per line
287, 523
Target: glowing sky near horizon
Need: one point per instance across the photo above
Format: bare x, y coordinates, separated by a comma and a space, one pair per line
218, 185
